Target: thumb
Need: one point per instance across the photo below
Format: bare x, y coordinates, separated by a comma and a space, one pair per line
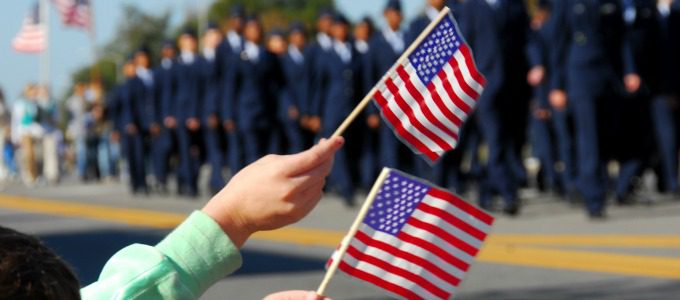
303, 162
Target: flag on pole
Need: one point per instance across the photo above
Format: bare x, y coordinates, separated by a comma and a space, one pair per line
417, 241
75, 13
426, 97
32, 37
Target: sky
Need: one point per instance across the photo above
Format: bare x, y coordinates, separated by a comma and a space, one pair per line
70, 49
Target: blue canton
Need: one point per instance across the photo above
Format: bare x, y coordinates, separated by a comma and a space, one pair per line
397, 199
436, 50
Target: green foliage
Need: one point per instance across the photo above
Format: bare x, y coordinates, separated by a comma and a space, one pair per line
273, 13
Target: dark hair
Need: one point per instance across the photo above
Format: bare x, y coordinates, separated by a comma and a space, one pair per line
30, 270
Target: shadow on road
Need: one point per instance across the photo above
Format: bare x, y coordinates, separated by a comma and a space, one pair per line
87, 252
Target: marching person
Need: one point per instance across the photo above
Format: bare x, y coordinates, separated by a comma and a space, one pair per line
188, 102
257, 77
386, 47
318, 50
335, 97
586, 68
296, 88
228, 55
212, 134
131, 109
164, 144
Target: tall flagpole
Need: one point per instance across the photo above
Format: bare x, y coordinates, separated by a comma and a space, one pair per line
94, 72
45, 55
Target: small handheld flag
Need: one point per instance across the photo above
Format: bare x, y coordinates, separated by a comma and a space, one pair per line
411, 239
430, 91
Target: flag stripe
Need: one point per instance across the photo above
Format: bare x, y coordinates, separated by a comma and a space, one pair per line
354, 268
394, 268
457, 212
428, 217
439, 251
416, 249
425, 263
466, 207
477, 86
471, 65
436, 231
458, 224
416, 99
403, 132
446, 85
402, 109
453, 68
434, 102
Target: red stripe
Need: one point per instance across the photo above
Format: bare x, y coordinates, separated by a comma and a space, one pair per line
430, 267
452, 94
393, 269
455, 261
397, 125
453, 220
421, 102
442, 107
408, 111
471, 65
442, 234
378, 281
464, 206
464, 85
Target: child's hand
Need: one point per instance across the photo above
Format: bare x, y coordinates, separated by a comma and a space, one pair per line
273, 192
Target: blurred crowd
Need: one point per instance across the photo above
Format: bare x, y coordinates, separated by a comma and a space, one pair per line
574, 84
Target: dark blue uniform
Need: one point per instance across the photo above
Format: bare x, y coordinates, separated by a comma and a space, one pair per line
189, 77
316, 54
383, 57
212, 133
259, 80
659, 76
133, 104
293, 94
485, 41
163, 145
588, 62
228, 56
339, 85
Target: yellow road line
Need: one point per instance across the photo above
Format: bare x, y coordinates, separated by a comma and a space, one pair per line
136, 217
592, 240
513, 249
607, 262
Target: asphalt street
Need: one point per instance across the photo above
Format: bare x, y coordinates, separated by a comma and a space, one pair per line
551, 251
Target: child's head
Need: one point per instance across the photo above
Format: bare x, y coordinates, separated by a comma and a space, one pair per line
30, 270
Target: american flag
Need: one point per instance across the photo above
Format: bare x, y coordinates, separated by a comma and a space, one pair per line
417, 241
32, 37
75, 13
428, 96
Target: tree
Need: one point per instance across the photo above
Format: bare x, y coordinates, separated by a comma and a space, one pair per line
273, 13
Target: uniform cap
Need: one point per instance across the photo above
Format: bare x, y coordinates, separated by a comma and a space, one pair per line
393, 5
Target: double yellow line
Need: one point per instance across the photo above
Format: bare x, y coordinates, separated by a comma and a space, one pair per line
565, 252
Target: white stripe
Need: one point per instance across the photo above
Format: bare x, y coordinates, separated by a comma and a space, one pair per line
438, 242
414, 249
403, 264
467, 75
410, 101
457, 212
448, 69
448, 101
441, 223
429, 100
387, 276
405, 122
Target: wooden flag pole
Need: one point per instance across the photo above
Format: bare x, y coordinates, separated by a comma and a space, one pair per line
367, 99
352, 231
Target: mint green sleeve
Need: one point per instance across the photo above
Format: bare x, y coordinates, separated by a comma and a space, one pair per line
182, 266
